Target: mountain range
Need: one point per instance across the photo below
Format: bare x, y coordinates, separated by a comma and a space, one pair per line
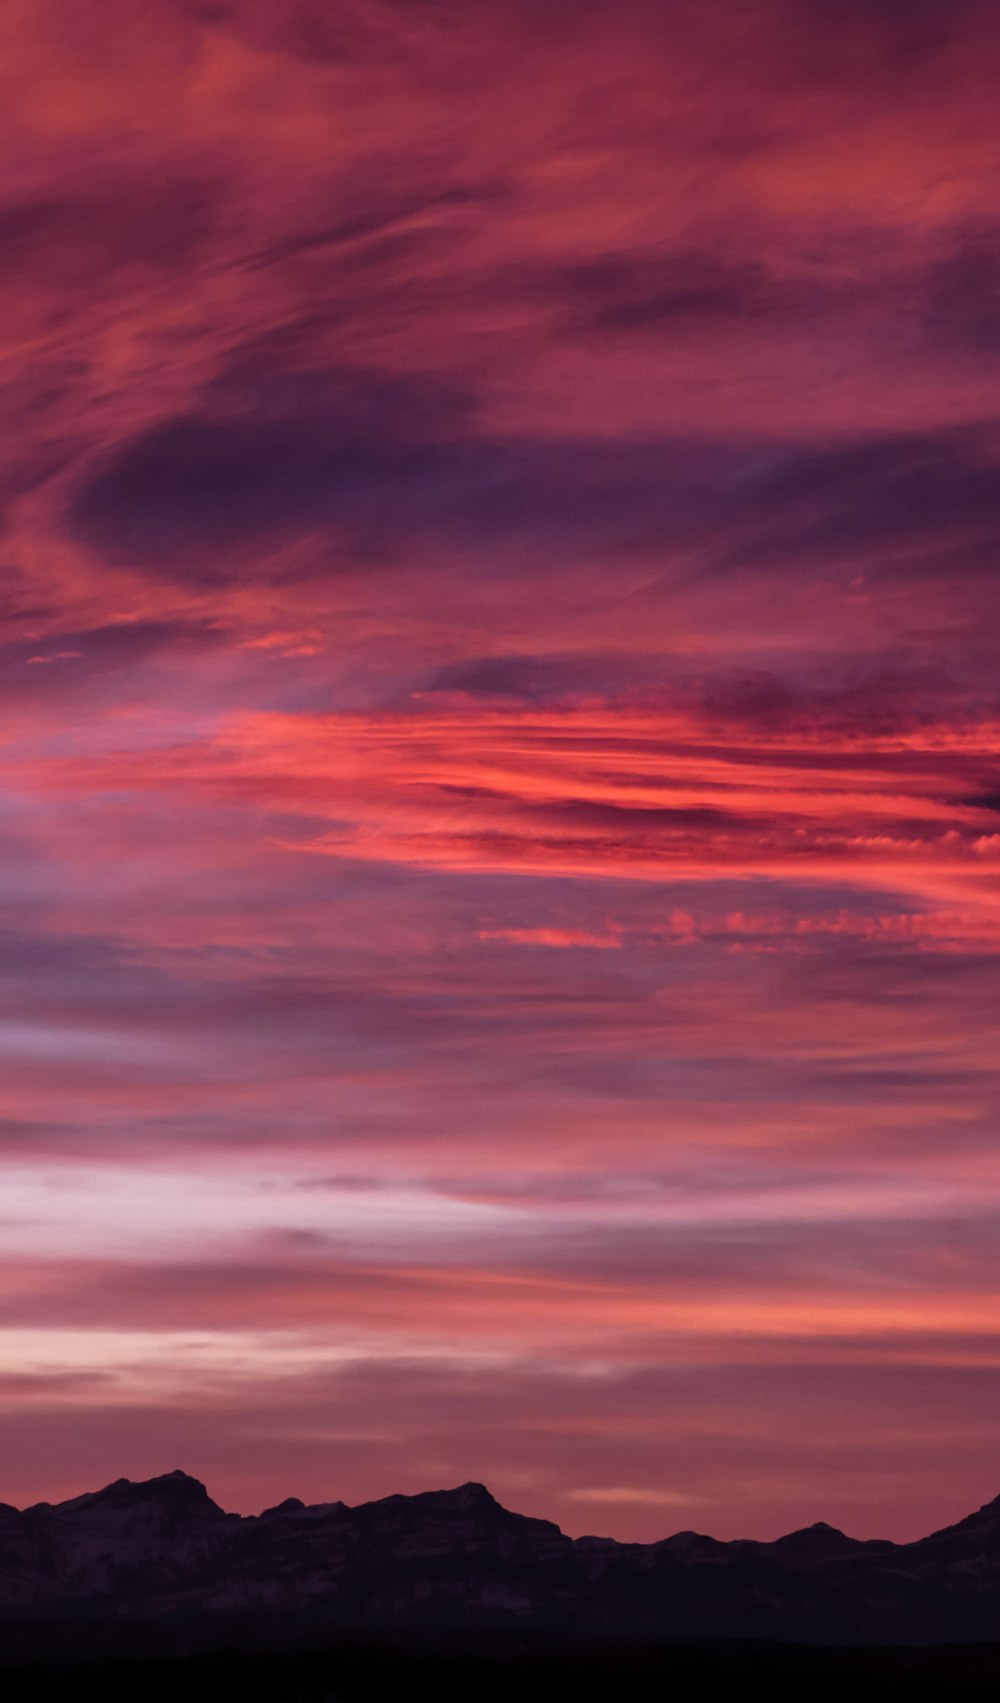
162, 1553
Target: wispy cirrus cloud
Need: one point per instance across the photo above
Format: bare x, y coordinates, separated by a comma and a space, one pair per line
500, 725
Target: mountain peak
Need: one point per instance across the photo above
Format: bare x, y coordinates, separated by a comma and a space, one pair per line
985, 1519
169, 1489
291, 1505
471, 1496
177, 1485
820, 1535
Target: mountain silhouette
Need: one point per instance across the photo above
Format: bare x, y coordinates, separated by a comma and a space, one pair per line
162, 1552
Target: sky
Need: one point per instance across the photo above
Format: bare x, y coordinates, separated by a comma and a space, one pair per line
500, 811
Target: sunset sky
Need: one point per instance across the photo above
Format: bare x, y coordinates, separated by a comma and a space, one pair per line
500, 818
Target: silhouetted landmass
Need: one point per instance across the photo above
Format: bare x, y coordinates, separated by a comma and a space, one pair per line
158, 1568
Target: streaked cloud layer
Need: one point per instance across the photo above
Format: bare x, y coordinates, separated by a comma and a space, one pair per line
501, 807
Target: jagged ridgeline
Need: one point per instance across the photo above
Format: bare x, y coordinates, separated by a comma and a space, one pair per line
163, 1553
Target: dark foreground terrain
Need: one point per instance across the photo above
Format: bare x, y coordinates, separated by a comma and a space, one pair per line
451, 1564
486, 1673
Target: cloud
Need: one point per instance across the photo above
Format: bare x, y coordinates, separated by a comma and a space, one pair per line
499, 920
907, 500
542, 1435
677, 291
292, 451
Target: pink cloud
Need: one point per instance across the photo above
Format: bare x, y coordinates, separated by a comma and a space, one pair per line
500, 726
